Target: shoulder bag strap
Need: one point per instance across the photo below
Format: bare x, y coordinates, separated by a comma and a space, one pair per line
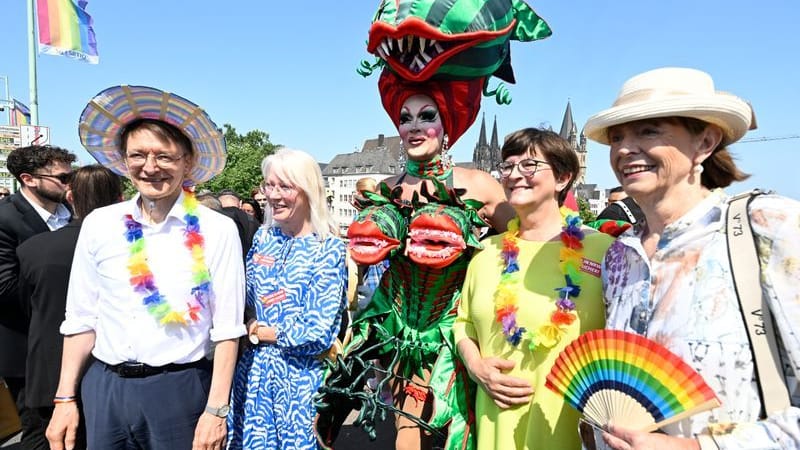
760, 329
627, 211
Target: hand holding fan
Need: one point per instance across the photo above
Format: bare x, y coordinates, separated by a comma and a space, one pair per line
613, 376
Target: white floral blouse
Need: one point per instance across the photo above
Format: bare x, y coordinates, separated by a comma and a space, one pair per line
684, 299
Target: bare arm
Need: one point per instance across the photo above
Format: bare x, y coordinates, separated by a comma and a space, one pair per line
483, 187
212, 430
64, 423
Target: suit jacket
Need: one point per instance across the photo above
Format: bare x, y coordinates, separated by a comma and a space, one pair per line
44, 267
18, 222
246, 225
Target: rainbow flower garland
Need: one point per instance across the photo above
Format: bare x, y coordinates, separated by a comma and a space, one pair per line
506, 301
142, 278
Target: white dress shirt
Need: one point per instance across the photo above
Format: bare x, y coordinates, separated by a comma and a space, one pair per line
101, 297
55, 220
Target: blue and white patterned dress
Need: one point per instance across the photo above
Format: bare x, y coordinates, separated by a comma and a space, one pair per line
296, 285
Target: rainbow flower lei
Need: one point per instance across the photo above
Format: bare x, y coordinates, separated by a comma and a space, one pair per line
506, 301
142, 278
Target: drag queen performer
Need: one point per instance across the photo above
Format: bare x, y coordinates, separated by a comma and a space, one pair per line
407, 326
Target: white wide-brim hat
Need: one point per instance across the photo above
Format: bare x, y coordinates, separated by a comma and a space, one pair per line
674, 92
109, 112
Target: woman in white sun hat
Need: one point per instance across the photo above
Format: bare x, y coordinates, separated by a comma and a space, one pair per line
669, 132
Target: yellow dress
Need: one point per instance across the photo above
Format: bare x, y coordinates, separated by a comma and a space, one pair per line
546, 422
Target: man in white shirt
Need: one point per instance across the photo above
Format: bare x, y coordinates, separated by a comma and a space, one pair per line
42, 173
157, 283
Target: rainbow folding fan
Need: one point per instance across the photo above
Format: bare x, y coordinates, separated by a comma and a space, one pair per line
618, 377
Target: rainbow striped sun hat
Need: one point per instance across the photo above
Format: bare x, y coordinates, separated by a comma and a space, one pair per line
105, 117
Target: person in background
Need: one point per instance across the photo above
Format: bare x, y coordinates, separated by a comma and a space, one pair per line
514, 318
229, 199
259, 197
45, 261
669, 133
370, 276
42, 173
615, 194
252, 209
246, 225
209, 200
4, 192
296, 276
620, 210
157, 283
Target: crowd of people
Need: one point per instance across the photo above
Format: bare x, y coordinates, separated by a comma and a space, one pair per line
159, 335
179, 318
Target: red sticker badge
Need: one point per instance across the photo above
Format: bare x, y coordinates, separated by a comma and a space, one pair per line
264, 260
273, 298
590, 267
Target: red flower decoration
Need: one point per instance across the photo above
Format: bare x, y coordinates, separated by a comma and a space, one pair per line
560, 317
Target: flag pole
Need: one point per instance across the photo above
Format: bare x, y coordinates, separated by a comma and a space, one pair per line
32, 64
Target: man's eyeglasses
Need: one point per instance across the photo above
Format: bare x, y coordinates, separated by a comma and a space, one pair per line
163, 161
4, 194
63, 178
267, 189
527, 167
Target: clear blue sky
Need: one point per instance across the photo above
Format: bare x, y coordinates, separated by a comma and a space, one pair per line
290, 71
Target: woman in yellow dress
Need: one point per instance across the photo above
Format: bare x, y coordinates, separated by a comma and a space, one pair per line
527, 295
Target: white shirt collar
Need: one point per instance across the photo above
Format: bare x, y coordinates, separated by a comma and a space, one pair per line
54, 221
177, 211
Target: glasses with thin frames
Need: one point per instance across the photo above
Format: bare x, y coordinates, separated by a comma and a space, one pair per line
63, 178
162, 160
527, 167
268, 189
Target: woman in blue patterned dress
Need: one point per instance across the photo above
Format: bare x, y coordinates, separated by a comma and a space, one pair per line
296, 276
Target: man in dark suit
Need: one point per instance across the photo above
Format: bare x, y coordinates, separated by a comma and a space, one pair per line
246, 225
42, 173
44, 264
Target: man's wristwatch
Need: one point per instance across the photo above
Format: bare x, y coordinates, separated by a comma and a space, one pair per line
221, 412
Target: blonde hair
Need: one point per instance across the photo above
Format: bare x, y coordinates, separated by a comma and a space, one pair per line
366, 184
302, 171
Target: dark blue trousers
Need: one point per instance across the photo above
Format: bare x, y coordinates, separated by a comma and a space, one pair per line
158, 412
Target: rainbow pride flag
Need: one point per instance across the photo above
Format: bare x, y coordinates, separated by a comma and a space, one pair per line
66, 29
20, 114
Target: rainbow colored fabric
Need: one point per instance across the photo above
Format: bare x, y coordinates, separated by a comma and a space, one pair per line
604, 371
21, 115
65, 28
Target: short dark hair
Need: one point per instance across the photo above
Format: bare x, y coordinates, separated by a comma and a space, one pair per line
165, 132
33, 157
228, 192
555, 149
615, 190
93, 187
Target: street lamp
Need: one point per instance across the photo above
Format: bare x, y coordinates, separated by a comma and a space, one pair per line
6, 100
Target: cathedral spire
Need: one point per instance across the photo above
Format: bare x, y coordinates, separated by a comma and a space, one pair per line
482, 138
495, 142
567, 124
